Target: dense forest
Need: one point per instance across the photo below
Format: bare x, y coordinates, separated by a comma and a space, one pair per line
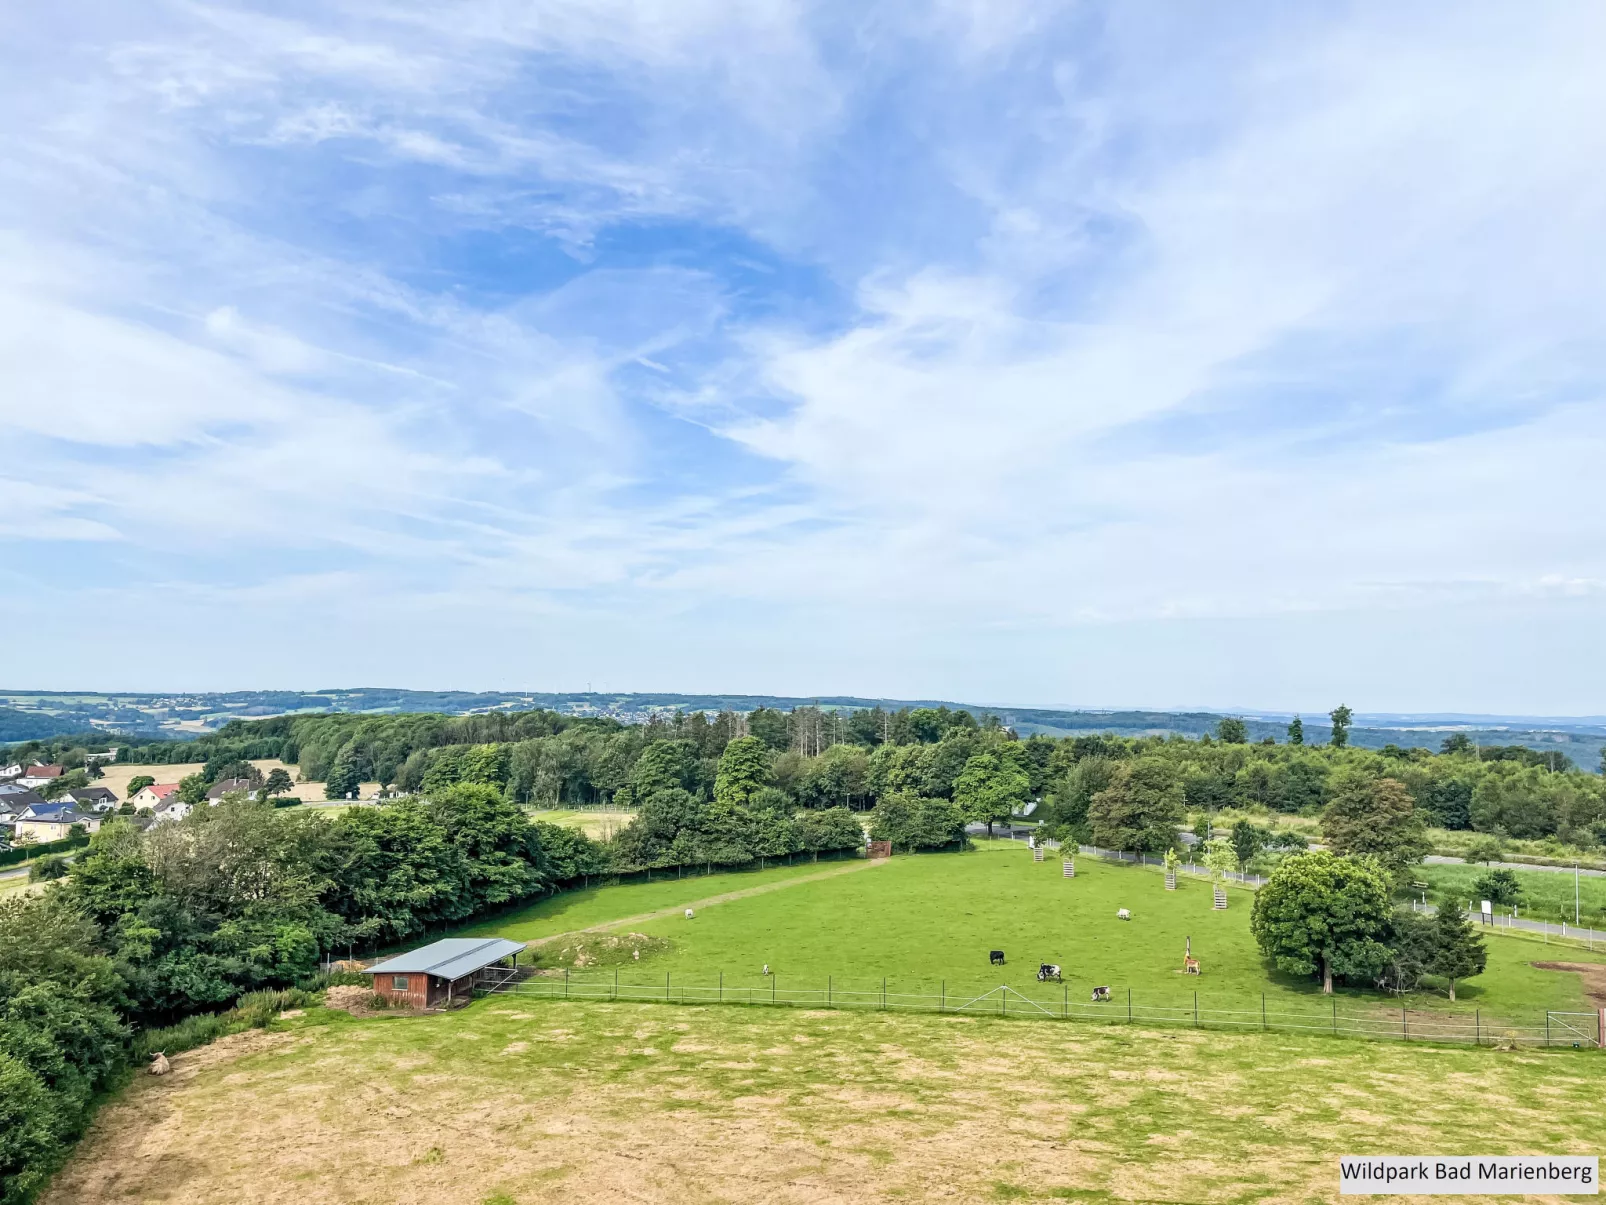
819, 759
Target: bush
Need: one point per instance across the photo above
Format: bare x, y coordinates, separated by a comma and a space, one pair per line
51, 866
1499, 886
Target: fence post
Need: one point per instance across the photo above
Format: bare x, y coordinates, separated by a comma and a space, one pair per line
616, 983
666, 987
1335, 1018
1263, 1012
1405, 1031
1547, 1027
1065, 999
942, 1000
828, 991
1196, 1008
565, 983
1477, 1027
883, 993
1129, 1005
722, 987
773, 978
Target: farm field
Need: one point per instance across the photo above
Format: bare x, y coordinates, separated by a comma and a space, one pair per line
598, 825
515, 1102
590, 906
1546, 895
117, 776
927, 923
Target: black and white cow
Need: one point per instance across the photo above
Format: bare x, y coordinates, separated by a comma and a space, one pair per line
996, 958
1047, 971
1100, 994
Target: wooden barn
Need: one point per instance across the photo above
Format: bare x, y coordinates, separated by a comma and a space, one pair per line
440, 972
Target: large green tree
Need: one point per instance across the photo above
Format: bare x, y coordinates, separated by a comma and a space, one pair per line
1232, 731
1326, 915
1376, 816
744, 770
1458, 950
1341, 717
990, 789
1140, 809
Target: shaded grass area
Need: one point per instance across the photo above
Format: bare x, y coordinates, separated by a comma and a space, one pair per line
922, 922
525, 1102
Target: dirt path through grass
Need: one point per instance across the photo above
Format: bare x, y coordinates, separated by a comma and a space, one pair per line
664, 913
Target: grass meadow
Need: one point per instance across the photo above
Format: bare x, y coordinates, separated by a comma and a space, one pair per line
513, 1102
927, 923
1546, 895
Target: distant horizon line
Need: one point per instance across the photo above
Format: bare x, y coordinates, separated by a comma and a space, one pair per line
1264, 714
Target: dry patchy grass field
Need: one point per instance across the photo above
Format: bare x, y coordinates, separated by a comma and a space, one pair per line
513, 1102
117, 777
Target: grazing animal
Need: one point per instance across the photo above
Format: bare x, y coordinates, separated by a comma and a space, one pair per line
1123, 914
636, 954
766, 970
1190, 964
690, 914
1047, 971
996, 958
159, 1064
1100, 994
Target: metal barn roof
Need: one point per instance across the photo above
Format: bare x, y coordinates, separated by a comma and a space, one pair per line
449, 958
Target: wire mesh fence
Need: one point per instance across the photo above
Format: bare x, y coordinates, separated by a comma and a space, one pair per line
1051, 1002
1188, 867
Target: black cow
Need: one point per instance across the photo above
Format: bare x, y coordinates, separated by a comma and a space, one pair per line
1047, 971
996, 958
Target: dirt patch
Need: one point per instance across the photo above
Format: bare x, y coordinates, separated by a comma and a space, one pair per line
1592, 973
587, 951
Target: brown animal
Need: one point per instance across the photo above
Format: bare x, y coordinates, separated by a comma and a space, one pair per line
1190, 964
159, 1064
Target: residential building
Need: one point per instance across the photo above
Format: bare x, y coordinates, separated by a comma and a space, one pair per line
38, 776
53, 821
14, 770
154, 795
94, 799
224, 786
174, 809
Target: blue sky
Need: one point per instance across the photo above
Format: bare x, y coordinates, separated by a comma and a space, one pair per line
1080, 354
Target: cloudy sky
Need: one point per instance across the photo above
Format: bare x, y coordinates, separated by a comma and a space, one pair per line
1021, 353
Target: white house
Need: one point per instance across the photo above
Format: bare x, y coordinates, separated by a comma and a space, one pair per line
153, 795
174, 809
38, 776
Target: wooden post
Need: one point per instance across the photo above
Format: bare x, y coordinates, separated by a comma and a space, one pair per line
1129, 1004
1263, 1011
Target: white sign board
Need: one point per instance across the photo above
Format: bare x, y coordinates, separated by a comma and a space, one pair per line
1402, 1175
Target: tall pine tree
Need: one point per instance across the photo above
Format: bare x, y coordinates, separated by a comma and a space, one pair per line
1458, 950
1296, 732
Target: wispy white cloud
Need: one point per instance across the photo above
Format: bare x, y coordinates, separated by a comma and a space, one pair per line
880, 324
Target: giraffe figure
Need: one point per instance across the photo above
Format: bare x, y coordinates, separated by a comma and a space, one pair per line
1190, 964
